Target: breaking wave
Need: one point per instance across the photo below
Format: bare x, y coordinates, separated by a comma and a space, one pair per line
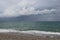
33, 32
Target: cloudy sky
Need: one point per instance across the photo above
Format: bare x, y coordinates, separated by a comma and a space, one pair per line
46, 9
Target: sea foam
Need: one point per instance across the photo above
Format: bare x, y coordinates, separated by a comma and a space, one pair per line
34, 32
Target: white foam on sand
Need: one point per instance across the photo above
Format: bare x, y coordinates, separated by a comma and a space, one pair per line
34, 32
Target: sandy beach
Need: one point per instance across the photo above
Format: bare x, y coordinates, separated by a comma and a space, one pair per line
22, 36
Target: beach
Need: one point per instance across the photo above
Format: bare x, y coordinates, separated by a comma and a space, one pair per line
24, 36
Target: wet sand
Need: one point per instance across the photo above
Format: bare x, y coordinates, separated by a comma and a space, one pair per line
22, 36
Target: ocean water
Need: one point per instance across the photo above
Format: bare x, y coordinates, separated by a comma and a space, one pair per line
51, 26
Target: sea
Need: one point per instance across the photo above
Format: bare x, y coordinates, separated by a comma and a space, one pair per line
49, 26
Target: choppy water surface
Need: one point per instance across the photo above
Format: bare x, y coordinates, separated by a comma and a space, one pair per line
42, 26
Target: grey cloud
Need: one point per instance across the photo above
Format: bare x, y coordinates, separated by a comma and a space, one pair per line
40, 5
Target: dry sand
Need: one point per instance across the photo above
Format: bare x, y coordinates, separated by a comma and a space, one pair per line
22, 36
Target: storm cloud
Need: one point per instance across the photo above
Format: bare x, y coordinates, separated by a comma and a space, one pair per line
15, 8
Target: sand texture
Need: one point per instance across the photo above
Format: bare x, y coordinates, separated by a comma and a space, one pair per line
22, 36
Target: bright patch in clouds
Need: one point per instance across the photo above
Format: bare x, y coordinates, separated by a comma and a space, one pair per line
25, 7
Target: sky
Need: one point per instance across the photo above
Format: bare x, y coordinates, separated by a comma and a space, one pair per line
49, 9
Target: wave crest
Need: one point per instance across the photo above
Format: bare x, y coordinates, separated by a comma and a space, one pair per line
34, 32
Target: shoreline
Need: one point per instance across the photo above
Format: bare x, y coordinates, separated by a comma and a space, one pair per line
28, 35
24, 36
